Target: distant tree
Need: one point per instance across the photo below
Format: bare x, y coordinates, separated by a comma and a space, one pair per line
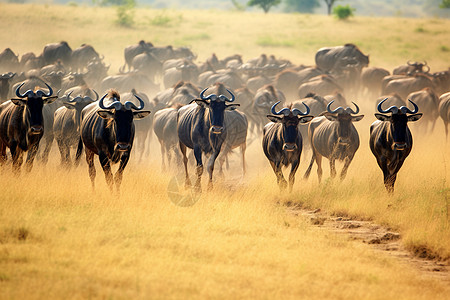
238, 6
128, 3
266, 5
445, 4
343, 12
305, 6
330, 4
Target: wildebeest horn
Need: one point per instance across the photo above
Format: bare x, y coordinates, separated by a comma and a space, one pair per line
298, 112
116, 104
393, 109
409, 63
26, 94
68, 97
337, 110
428, 68
405, 109
129, 105
210, 97
40, 93
285, 111
96, 95
223, 97
350, 111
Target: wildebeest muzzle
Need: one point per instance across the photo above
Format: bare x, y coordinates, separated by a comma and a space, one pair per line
36, 129
123, 146
289, 146
216, 129
399, 146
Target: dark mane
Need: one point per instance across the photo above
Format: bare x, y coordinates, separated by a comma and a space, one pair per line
113, 93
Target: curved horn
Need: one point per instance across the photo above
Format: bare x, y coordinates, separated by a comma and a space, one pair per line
428, 68
129, 105
405, 109
26, 94
40, 93
68, 97
96, 95
285, 111
223, 97
409, 63
337, 110
297, 112
210, 97
393, 109
350, 111
116, 104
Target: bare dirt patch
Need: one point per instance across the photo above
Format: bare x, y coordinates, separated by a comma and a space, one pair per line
379, 238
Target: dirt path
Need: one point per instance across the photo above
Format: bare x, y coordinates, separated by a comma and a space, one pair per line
377, 237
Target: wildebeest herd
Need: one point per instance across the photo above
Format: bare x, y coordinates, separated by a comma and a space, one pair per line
55, 95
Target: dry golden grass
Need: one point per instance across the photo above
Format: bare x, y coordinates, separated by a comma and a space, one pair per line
60, 240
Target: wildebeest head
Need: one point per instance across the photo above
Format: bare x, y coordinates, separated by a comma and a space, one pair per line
33, 103
344, 119
78, 103
122, 115
217, 106
289, 118
399, 121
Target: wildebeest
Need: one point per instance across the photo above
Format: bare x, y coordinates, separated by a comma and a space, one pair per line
5, 84
444, 110
82, 55
411, 67
282, 142
265, 97
165, 128
187, 71
67, 122
131, 51
407, 85
391, 140
57, 51
201, 127
22, 125
333, 135
371, 79
148, 64
108, 131
428, 102
321, 85
330, 58
9, 61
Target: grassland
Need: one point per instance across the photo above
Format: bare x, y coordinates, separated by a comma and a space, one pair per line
58, 239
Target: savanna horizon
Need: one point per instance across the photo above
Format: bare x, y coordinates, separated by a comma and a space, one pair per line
59, 239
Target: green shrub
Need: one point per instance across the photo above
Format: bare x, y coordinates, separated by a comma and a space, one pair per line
125, 16
343, 12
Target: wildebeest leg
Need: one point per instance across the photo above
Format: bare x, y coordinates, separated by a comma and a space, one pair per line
163, 154
106, 166
210, 166
187, 181
389, 182
30, 157
48, 147
276, 166
308, 171
294, 167
347, 162
62, 152
319, 166
118, 176
243, 148
332, 167
90, 162
199, 169
3, 156
78, 153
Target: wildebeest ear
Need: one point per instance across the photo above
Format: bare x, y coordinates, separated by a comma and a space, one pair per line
69, 105
232, 106
201, 102
383, 117
330, 117
140, 114
19, 101
415, 117
305, 119
105, 114
274, 119
49, 100
357, 118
